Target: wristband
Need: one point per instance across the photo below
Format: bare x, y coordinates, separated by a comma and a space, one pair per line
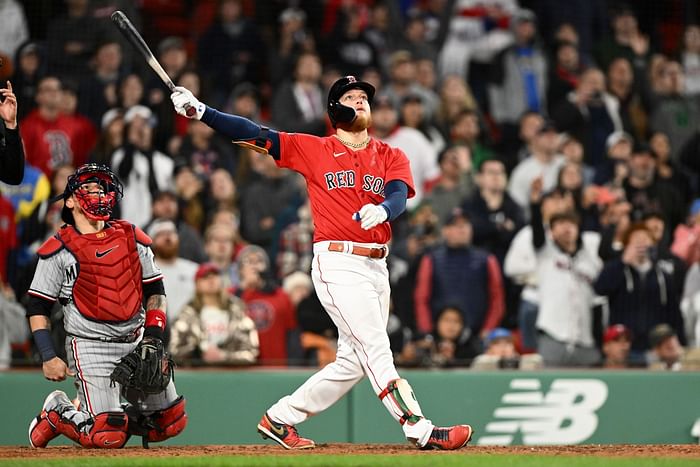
44, 344
155, 323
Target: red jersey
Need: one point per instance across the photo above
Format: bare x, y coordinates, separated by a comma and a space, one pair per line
8, 234
48, 144
340, 181
274, 315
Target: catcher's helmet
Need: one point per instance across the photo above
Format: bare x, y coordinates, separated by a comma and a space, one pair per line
338, 112
97, 205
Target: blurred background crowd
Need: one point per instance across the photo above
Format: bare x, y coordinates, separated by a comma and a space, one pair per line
554, 148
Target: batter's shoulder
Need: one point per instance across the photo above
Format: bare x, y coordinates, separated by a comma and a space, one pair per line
50, 247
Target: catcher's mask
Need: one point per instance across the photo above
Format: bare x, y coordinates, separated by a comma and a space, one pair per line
97, 202
339, 113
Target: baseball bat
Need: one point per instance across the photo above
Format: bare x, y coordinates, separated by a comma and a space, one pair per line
132, 35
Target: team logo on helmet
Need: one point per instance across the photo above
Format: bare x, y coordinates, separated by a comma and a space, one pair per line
97, 190
337, 112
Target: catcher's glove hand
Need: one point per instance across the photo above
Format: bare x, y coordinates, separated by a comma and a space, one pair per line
147, 369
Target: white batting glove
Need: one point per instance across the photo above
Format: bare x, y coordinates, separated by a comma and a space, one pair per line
183, 99
371, 215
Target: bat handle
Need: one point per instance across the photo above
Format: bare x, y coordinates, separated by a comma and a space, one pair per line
190, 111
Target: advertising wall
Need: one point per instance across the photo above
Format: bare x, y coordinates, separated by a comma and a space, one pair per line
505, 408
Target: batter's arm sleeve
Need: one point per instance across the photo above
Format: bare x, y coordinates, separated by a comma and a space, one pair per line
422, 294
11, 157
244, 130
497, 302
395, 194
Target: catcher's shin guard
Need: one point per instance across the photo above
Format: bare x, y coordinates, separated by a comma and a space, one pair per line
401, 395
159, 425
106, 430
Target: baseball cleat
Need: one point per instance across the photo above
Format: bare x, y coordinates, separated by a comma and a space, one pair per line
449, 438
284, 435
41, 430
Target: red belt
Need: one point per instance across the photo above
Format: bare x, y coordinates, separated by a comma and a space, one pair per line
375, 253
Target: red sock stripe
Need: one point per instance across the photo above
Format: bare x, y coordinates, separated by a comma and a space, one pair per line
156, 318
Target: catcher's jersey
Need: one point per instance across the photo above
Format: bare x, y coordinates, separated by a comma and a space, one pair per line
340, 181
54, 279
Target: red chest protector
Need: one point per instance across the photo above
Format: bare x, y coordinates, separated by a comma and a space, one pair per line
108, 286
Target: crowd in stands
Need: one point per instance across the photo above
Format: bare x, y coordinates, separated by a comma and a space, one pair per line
555, 149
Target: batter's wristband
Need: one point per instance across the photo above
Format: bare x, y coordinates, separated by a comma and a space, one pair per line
155, 323
44, 344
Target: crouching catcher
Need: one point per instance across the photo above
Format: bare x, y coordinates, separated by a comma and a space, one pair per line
100, 270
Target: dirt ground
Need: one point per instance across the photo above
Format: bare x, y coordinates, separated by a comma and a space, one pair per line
669, 450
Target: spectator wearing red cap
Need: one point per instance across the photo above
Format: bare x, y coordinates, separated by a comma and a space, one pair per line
616, 346
213, 328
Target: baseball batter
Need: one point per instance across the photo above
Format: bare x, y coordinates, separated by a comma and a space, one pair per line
99, 270
356, 184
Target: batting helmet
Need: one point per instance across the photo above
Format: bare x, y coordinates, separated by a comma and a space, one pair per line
338, 112
97, 205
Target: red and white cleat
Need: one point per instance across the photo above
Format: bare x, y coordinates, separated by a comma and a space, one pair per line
285, 435
449, 438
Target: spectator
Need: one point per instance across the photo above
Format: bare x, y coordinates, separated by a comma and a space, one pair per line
589, 114
51, 138
13, 324
495, 216
572, 150
633, 97
143, 170
564, 73
420, 152
666, 351
501, 353
618, 146
172, 55
454, 344
690, 58
130, 91
12, 158
111, 137
544, 162
13, 28
517, 149
294, 39
206, 152
668, 171
72, 40
8, 235
165, 206
348, 48
267, 305
402, 83
567, 264
219, 246
626, 41
295, 245
85, 130
453, 185
647, 193
416, 40
230, 51
672, 102
178, 273
98, 92
455, 98
270, 191
30, 67
458, 273
519, 75
467, 129
298, 105
640, 293
690, 306
412, 114
213, 327
616, 347
686, 237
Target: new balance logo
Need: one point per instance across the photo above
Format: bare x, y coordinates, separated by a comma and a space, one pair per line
566, 414
100, 254
338, 154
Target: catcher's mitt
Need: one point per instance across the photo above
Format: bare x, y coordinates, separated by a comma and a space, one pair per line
147, 369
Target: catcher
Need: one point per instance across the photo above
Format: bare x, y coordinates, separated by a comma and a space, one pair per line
100, 271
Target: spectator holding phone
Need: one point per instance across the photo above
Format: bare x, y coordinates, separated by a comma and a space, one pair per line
11, 152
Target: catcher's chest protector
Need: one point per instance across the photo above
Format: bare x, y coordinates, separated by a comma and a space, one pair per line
108, 285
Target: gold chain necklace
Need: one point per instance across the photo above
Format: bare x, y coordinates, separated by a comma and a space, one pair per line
353, 145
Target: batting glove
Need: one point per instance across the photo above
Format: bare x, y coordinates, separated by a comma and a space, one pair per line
183, 99
371, 215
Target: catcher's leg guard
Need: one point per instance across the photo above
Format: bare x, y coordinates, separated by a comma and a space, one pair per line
401, 394
161, 424
105, 430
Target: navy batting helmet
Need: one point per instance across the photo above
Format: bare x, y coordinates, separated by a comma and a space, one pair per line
338, 112
96, 205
